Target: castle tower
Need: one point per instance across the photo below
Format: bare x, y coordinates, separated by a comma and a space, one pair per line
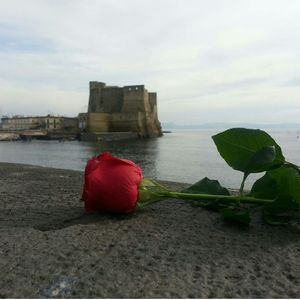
134, 98
95, 96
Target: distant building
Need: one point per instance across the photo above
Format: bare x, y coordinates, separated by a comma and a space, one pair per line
47, 123
121, 109
82, 121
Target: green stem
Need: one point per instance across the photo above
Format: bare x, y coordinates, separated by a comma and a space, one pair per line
151, 192
241, 191
224, 198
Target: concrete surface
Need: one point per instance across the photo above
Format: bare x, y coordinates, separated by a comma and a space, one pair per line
51, 249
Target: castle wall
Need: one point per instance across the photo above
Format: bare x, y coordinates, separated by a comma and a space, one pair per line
99, 122
111, 99
125, 122
133, 98
146, 102
152, 100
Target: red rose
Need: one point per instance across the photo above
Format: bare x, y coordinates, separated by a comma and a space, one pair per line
111, 184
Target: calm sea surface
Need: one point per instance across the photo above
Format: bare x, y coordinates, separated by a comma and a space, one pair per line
183, 155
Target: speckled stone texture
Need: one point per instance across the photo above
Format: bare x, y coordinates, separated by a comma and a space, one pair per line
50, 249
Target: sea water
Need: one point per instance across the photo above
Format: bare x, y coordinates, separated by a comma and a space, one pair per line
182, 156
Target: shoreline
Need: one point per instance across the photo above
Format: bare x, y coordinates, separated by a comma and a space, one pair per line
52, 249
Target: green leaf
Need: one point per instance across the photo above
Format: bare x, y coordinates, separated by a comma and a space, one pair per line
236, 214
261, 159
249, 150
265, 187
207, 186
287, 190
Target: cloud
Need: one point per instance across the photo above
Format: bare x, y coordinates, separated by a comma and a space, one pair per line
208, 60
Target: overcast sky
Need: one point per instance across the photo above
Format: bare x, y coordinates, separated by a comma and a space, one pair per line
209, 61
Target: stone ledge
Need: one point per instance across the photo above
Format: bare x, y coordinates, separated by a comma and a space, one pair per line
51, 249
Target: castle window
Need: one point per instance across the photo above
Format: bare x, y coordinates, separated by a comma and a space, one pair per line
136, 88
129, 89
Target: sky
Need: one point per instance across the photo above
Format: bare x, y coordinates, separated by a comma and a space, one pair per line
235, 61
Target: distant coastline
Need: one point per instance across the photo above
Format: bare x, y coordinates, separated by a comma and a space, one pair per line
171, 125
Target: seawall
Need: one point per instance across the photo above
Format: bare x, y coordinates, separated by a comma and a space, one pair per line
51, 249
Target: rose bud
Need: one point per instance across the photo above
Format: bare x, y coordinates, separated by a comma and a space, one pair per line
111, 184
114, 185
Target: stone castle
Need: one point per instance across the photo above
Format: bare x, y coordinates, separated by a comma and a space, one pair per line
122, 109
